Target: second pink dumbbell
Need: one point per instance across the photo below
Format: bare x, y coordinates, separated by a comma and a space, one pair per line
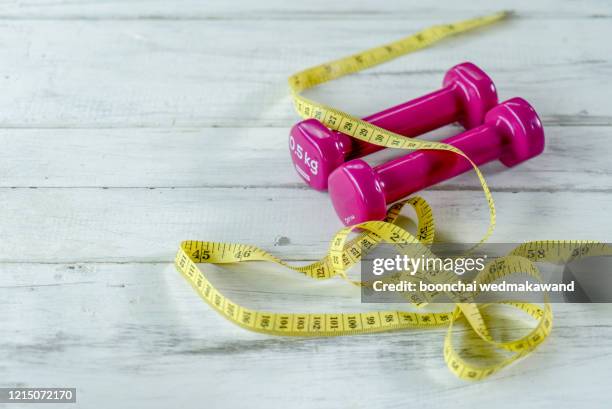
512, 133
467, 95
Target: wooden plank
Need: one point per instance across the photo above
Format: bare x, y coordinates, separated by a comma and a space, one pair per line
125, 334
82, 224
180, 73
279, 9
190, 158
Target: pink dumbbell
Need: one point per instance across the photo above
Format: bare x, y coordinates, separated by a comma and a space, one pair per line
512, 133
467, 95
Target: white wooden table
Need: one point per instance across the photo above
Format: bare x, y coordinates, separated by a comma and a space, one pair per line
127, 127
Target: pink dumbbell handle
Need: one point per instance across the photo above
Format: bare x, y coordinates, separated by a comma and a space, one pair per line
411, 118
423, 168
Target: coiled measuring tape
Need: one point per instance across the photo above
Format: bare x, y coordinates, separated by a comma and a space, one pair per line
344, 252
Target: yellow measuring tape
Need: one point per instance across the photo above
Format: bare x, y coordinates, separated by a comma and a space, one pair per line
344, 253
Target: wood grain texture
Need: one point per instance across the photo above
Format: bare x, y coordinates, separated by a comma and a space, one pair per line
148, 224
315, 10
179, 73
145, 337
130, 126
189, 158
